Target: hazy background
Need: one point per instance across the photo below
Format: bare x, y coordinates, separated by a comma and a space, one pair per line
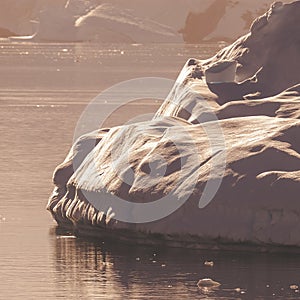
131, 21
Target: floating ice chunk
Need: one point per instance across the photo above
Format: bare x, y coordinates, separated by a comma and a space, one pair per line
207, 283
209, 263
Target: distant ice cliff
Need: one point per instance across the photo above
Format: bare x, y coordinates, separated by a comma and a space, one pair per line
133, 21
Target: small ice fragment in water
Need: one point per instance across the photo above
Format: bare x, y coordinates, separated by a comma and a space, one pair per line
294, 287
137, 259
107, 264
209, 263
169, 286
122, 52
163, 265
65, 50
207, 283
238, 290
66, 237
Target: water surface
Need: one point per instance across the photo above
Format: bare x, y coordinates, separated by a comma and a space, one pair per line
44, 88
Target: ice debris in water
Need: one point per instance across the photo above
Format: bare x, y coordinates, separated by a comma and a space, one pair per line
294, 287
207, 283
209, 263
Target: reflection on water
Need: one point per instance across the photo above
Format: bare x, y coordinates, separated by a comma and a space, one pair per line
42, 95
111, 271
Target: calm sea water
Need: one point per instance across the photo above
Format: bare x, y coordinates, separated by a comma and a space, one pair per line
44, 88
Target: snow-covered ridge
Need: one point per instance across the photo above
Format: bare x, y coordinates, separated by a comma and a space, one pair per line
136, 21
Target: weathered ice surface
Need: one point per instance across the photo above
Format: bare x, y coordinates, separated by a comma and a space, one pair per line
198, 136
262, 63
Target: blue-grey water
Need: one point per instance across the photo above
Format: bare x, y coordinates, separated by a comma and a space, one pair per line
44, 88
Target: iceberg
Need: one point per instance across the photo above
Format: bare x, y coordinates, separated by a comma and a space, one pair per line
221, 156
